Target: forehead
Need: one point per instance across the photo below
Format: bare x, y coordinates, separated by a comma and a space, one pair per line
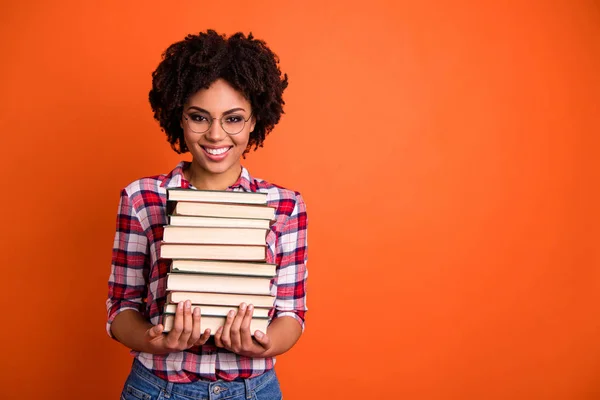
219, 96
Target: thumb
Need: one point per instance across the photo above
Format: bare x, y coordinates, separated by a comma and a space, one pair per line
155, 331
262, 339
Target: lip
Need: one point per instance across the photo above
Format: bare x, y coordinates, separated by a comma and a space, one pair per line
216, 157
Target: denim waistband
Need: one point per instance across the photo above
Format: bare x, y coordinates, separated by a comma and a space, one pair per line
202, 388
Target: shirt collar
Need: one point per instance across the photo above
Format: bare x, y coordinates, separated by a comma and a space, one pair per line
176, 179
245, 181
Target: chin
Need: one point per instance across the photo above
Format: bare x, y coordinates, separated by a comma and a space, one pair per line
216, 168
219, 170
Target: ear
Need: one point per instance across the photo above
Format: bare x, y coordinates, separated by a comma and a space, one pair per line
252, 123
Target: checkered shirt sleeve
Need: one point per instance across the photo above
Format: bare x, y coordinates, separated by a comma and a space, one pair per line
291, 255
127, 281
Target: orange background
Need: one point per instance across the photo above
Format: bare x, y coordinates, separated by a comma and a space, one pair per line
447, 151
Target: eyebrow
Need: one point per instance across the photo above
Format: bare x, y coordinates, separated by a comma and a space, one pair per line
207, 112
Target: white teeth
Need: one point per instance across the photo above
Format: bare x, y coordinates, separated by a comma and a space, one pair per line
216, 152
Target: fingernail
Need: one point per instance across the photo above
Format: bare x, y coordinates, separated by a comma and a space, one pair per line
231, 313
250, 307
258, 334
197, 312
188, 304
243, 307
180, 305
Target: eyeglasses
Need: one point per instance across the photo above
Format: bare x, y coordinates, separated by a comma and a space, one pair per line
232, 124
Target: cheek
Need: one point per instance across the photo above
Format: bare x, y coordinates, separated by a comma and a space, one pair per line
242, 141
188, 139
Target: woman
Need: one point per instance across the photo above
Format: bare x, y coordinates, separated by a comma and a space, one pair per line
215, 97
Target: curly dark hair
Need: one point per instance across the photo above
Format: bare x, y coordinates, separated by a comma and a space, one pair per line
194, 63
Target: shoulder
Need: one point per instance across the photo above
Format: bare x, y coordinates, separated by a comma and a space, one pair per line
286, 201
144, 192
150, 190
145, 184
147, 191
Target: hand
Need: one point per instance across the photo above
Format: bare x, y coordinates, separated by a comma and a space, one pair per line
184, 334
235, 335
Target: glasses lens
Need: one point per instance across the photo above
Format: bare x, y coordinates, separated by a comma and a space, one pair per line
198, 123
233, 124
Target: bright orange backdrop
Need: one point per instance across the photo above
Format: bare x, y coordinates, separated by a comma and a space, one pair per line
447, 151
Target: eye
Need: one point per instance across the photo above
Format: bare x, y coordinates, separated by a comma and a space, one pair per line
234, 119
198, 118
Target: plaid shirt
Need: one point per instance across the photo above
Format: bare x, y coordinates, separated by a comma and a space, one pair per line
138, 275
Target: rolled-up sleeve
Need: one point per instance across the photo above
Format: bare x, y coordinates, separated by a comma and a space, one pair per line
291, 256
127, 281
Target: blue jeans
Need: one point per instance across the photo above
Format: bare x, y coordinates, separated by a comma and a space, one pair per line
144, 385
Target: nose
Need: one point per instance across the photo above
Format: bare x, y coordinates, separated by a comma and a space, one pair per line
216, 132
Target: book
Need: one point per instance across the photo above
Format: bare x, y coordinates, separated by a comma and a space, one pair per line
220, 210
215, 323
211, 235
216, 196
224, 267
223, 299
219, 222
218, 311
213, 252
218, 284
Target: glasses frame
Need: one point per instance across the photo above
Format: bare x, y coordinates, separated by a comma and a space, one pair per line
187, 119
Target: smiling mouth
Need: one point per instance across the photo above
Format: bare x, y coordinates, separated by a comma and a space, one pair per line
216, 152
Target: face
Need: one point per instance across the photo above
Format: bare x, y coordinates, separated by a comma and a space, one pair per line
215, 152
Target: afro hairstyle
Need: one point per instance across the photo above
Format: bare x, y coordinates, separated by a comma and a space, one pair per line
194, 63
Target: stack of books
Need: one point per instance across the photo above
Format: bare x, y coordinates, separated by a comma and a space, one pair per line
217, 243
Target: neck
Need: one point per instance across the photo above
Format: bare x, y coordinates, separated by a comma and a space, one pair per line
205, 180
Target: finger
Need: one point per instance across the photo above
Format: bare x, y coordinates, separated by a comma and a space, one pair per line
225, 335
175, 333
204, 338
263, 339
218, 334
245, 328
188, 324
154, 332
235, 334
195, 327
